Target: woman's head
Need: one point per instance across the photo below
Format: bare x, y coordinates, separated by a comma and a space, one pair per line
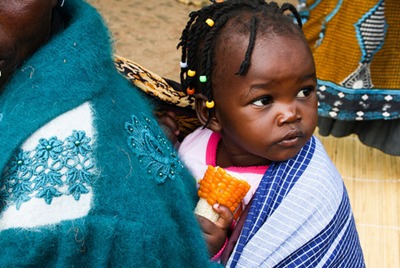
260, 74
24, 26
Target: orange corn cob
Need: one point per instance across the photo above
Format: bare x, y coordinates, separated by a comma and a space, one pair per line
217, 186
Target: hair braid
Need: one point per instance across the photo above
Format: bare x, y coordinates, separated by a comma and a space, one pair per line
296, 14
183, 44
221, 16
207, 55
246, 63
207, 61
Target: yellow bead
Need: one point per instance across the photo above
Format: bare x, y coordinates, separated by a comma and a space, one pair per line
210, 104
191, 73
210, 22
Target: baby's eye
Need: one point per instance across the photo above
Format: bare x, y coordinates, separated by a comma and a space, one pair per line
305, 92
263, 101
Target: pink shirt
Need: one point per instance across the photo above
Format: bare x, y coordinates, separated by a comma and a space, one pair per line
199, 149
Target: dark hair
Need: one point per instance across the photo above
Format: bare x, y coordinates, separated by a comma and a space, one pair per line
249, 17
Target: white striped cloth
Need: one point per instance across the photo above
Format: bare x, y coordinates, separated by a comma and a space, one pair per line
300, 217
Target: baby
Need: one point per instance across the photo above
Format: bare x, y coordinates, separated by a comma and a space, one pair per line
252, 74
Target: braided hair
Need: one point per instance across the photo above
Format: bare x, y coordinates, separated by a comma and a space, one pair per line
202, 33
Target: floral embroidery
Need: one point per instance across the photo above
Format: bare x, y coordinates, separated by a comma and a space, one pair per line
49, 148
55, 168
154, 150
78, 143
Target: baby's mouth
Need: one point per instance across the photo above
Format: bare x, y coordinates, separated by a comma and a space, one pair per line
291, 139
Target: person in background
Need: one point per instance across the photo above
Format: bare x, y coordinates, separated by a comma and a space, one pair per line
88, 178
249, 68
356, 50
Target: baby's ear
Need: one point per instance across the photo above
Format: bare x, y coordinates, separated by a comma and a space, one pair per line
203, 113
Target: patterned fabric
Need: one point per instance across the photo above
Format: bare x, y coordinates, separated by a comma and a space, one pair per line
50, 176
53, 169
356, 57
152, 84
355, 44
300, 217
153, 149
166, 94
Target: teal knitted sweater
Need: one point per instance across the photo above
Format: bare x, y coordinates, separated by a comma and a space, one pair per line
88, 178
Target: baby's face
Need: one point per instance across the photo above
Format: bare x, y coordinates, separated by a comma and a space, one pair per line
270, 113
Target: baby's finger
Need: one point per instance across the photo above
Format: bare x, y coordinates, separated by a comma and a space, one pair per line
225, 216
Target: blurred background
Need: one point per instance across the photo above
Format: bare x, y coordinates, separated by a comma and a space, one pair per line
148, 31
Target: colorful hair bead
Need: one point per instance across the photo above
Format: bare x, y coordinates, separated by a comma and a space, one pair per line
210, 104
183, 64
190, 91
191, 73
203, 78
210, 22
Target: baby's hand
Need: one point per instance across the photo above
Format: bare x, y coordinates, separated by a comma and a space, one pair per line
215, 233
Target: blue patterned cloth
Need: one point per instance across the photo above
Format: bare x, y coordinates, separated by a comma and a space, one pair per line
46, 170
300, 217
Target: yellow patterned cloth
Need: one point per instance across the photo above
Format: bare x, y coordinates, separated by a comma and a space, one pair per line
356, 46
165, 94
339, 53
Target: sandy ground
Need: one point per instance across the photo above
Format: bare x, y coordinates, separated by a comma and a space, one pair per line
148, 31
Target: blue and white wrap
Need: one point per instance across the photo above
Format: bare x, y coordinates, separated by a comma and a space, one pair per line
300, 217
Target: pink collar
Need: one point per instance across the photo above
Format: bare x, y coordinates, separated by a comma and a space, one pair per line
211, 157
